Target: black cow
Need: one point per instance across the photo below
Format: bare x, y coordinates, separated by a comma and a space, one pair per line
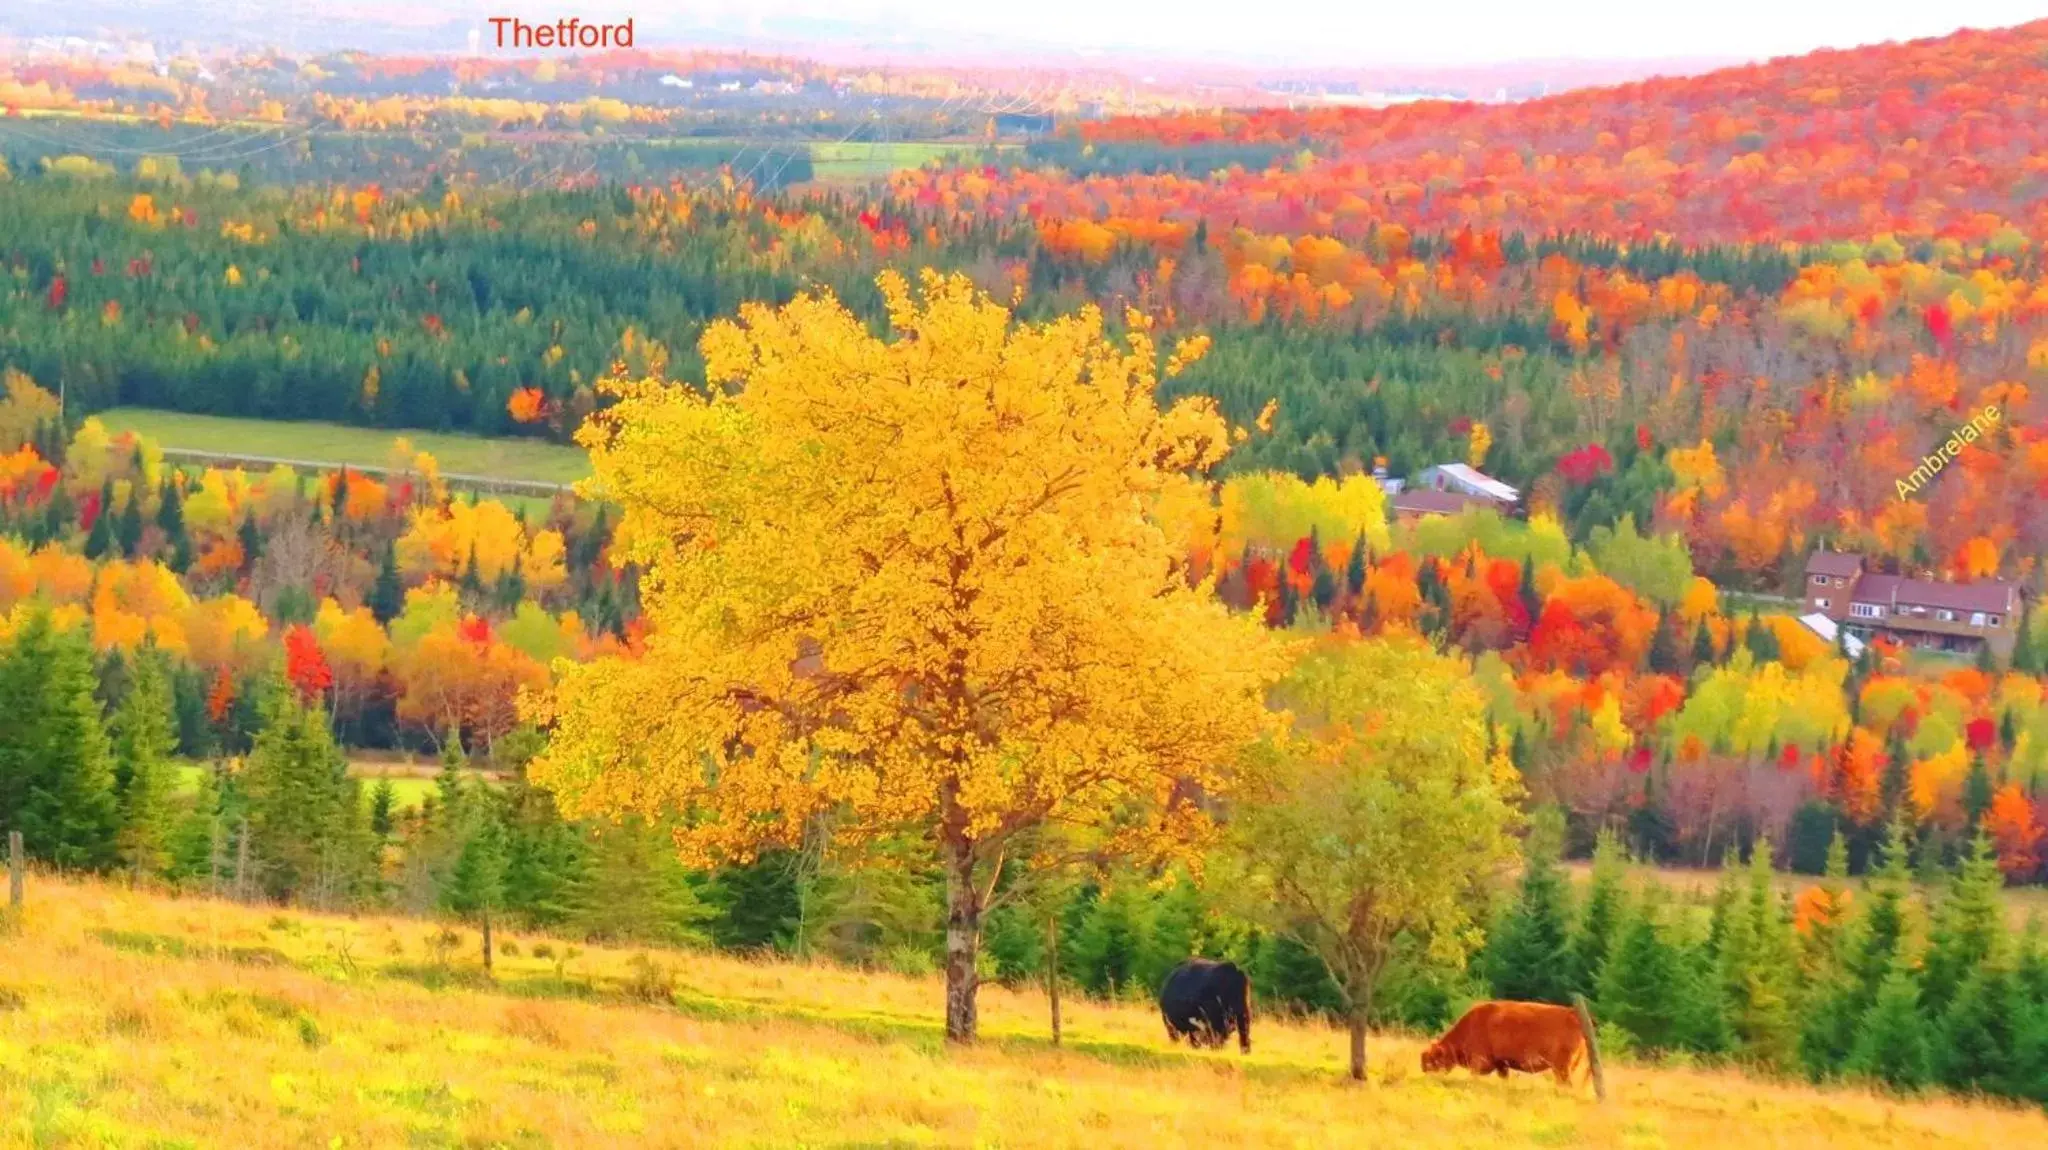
1204, 999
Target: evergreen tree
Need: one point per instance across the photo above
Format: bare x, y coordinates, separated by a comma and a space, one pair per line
144, 740
1869, 948
1354, 569
56, 768
1892, 1042
1528, 958
1760, 639
1754, 967
387, 596
1969, 927
1641, 984
2026, 658
634, 890
1975, 1045
1987, 661
100, 540
1663, 658
475, 888
195, 834
307, 833
128, 531
543, 857
1897, 767
1703, 653
251, 539
1532, 600
472, 577
383, 801
1606, 905
170, 510
1977, 793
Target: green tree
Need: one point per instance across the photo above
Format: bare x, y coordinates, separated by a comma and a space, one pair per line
144, 740
387, 596
1969, 926
1892, 1044
1606, 907
56, 764
475, 887
1528, 957
634, 890
1375, 815
307, 831
1642, 982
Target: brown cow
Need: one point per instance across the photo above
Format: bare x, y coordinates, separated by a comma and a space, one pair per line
1496, 1037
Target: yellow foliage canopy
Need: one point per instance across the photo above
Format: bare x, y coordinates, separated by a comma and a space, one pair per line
913, 582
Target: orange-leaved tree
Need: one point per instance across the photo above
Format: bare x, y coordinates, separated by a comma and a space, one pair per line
916, 584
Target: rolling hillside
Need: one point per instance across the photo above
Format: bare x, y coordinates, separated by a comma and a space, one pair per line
131, 1020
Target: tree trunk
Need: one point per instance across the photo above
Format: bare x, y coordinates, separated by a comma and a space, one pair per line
1052, 971
963, 936
1358, 1045
487, 940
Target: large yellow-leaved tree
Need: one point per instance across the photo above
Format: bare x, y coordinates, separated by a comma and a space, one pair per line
919, 584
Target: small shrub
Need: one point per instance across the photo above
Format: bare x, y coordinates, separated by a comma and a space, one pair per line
12, 999
650, 981
914, 961
543, 950
509, 949
309, 1032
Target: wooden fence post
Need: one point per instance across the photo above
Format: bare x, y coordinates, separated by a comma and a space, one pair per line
15, 864
1052, 971
1592, 1046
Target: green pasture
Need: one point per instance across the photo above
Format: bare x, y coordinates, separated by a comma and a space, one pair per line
337, 445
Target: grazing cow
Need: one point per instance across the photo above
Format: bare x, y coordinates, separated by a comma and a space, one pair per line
1496, 1037
1203, 999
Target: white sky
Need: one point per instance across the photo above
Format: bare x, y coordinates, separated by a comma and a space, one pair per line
1415, 32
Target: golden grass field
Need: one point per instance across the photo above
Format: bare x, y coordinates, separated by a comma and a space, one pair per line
129, 1019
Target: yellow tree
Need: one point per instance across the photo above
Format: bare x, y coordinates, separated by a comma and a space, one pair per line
911, 585
1377, 815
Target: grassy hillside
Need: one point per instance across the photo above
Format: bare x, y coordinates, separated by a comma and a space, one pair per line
130, 1019
333, 443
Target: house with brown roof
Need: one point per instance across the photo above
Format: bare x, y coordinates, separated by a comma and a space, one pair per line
1419, 502
1924, 613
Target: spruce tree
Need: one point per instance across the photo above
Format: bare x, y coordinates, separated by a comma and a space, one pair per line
1892, 1044
475, 887
1663, 657
56, 764
1975, 1044
100, 539
1969, 926
170, 510
1870, 946
144, 740
307, 831
387, 596
128, 531
632, 889
2026, 658
1754, 968
1977, 793
1606, 906
1532, 600
1354, 569
383, 806
251, 539
1703, 653
1641, 987
1529, 958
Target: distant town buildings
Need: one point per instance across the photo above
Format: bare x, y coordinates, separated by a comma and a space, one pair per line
1922, 613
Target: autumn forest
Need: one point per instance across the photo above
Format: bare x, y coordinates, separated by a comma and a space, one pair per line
831, 654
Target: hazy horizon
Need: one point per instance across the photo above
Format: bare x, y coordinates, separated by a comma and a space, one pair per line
1206, 33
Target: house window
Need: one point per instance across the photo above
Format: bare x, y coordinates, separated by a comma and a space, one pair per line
1945, 615
1866, 610
1994, 621
1977, 618
1820, 580
1821, 603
